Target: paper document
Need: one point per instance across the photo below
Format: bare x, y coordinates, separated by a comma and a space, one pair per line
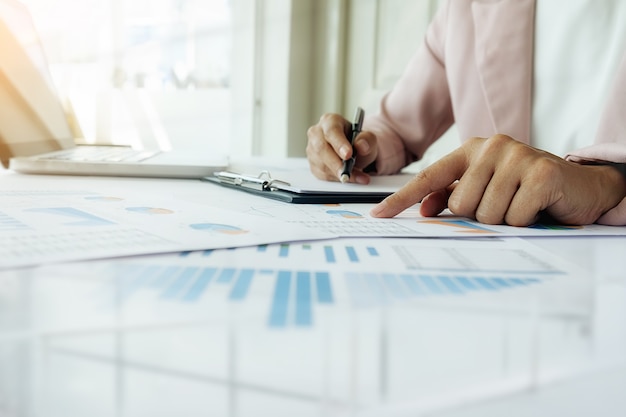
353, 220
39, 226
300, 187
295, 175
290, 285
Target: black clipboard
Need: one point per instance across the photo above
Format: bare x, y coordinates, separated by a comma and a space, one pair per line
265, 186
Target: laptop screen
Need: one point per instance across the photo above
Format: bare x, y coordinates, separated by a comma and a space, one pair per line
32, 120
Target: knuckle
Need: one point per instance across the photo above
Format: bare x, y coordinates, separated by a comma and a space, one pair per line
459, 207
424, 176
514, 218
393, 199
548, 167
501, 139
498, 142
312, 131
455, 207
487, 216
544, 170
315, 144
473, 141
330, 119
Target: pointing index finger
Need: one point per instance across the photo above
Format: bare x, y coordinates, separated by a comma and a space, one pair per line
433, 178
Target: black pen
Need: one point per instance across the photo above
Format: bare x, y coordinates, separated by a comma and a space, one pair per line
348, 164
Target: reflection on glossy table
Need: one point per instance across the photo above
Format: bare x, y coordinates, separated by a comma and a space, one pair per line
71, 345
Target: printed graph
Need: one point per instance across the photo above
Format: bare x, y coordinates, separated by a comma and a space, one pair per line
74, 216
218, 228
294, 294
149, 210
104, 198
316, 253
371, 289
555, 227
460, 226
8, 223
346, 214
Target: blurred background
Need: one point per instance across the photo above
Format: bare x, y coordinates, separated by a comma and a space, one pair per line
243, 77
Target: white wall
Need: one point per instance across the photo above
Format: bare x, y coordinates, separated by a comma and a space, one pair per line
271, 80
316, 56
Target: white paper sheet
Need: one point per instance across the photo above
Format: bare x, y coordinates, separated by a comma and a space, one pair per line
354, 220
289, 285
50, 225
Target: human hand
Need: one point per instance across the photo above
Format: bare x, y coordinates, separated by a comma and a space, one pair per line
328, 146
500, 180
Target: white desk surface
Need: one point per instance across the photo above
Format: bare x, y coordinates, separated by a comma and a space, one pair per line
66, 351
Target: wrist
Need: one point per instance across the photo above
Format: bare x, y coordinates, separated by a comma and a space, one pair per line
613, 182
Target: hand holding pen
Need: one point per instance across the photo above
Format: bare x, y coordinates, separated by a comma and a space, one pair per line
348, 164
337, 146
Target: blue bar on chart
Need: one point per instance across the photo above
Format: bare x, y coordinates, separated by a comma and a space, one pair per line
280, 302
204, 253
240, 289
450, 285
467, 283
394, 286
372, 289
292, 303
324, 293
354, 254
372, 251
431, 284
195, 291
226, 275
411, 283
180, 283
351, 252
303, 299
485, 284
502, 283
295, 295
329, 253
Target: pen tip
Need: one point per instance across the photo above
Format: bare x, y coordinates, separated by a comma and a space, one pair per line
344, 178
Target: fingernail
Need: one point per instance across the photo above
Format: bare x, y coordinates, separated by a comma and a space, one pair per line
361, 179
343, 151
378, 209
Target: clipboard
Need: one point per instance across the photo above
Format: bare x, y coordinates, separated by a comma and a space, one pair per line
265, 186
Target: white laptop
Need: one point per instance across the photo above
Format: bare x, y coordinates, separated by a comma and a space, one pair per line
35, 135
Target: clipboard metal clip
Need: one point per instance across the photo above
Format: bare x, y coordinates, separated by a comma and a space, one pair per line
262, 182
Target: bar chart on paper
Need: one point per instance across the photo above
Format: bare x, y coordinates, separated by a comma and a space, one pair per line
339, 274
354, 220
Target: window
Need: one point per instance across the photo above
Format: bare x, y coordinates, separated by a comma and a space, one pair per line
142, 72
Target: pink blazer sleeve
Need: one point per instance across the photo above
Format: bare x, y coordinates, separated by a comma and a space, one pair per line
610, 142
457, 76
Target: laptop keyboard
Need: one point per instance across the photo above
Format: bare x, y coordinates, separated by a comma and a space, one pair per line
101, 154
